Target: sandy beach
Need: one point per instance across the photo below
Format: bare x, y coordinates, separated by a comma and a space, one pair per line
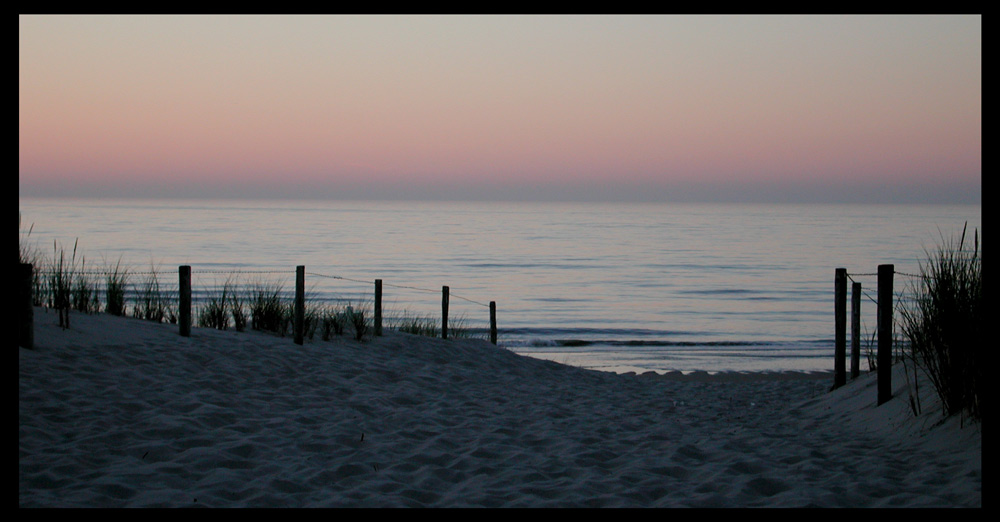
118, 412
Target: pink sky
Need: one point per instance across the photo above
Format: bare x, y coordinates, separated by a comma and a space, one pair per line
590, 107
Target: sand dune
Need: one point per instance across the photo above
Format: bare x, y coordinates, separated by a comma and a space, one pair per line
121, 412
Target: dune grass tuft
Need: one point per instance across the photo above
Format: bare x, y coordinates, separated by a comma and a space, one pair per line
115, 283
237, 306
215, 314
332, 322
356, 319
944, 325
268, 310
412, 324
85, 298
152, 302
29, 253
61, 282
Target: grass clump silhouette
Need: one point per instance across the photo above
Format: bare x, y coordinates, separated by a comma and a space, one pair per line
65, 284
944, 324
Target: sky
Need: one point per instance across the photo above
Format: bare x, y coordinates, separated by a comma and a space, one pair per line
811, 109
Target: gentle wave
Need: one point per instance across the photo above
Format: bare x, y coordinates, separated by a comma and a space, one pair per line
638, 343
646, 280
638, 338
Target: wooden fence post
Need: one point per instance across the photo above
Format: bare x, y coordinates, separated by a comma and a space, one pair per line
855, 330
184, 305
26, 310
444, 312
840, 325
493, 322
884, 356
378, 307
300, 303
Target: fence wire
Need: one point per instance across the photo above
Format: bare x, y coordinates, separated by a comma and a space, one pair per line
900, 299
407, 287
163, 285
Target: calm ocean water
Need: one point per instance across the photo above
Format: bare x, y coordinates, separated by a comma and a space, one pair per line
616, 287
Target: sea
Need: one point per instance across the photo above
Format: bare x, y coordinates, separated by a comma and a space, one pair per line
618, 287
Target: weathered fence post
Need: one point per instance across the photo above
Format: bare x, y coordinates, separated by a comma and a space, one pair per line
184, 305
378, 307
855, 330
884, 356
300, 303
444, 312
493, 322
840, 325
26, 310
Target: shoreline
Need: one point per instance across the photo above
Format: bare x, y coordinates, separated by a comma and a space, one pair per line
735, 376
697, 375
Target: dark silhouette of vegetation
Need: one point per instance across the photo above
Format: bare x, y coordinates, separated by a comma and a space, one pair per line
944, 325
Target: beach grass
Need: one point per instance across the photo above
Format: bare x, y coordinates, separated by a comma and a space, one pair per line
356, 319
115, 283
430, 326
268, 310
216, 313
332, 321
29, 253
85, 293
311, 318
458, 328
26, 252
944, 324
152, 302
238, 309
63, 284
416, 325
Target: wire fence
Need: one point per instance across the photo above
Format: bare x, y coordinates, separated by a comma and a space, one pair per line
904, 297
882, 344
91, 290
